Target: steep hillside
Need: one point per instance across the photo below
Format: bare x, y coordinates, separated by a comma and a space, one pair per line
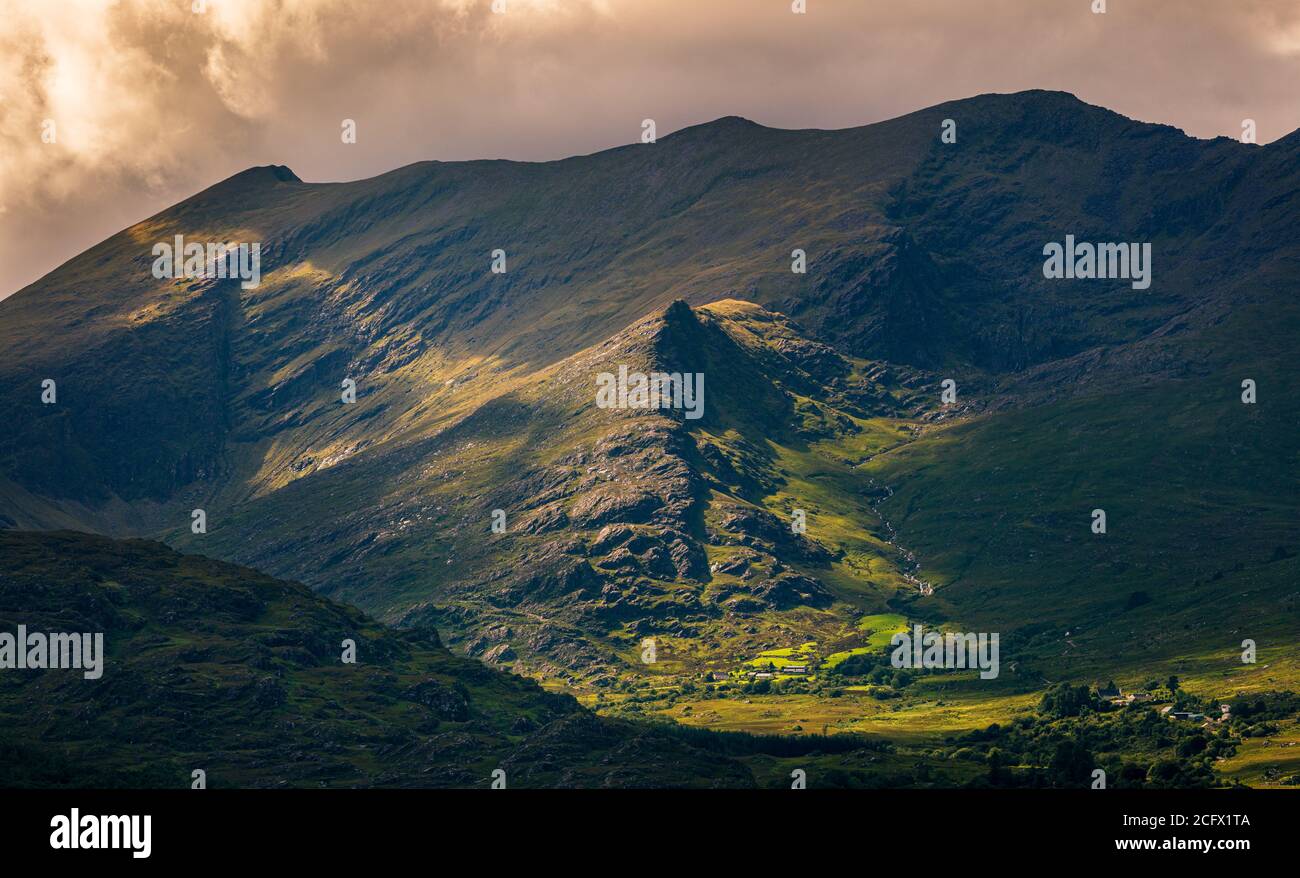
618, 523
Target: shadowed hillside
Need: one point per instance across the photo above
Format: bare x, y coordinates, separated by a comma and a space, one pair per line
219, 668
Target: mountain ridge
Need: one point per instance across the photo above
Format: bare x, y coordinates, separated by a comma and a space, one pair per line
737, 122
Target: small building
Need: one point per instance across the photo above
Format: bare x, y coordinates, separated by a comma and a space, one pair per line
795, 669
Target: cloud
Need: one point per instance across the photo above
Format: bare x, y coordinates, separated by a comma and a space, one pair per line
151, 101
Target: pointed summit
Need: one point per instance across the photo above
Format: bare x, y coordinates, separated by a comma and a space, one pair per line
249, 181
724, 126
264, 174
679, 311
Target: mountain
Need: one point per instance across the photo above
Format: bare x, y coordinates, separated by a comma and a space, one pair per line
920, 253
476, 393
218, 668
619, 524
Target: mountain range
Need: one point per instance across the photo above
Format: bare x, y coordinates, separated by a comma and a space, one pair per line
823, 400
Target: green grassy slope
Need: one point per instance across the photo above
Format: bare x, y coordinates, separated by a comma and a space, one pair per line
1202, 496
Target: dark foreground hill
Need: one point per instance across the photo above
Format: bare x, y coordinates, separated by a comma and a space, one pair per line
222, 669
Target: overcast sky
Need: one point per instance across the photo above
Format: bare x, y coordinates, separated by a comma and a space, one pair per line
152, 101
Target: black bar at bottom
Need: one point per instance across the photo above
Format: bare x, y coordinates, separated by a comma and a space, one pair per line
233, 827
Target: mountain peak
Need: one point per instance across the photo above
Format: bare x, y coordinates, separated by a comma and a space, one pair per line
248, 183
267, 174
257, 177
678, 311
720, 126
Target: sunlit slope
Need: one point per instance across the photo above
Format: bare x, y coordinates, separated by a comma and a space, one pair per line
618, 524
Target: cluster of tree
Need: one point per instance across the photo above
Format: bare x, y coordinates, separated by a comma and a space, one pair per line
1075, 732
1064, 700
780, 746
874, 670
919, 776
1256, 715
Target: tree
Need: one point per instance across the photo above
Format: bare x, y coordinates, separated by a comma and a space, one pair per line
995, 761
1192, 746
1064, 700
1071, 765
